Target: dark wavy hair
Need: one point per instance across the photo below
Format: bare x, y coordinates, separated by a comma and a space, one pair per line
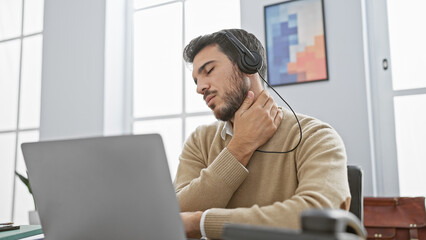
225, 46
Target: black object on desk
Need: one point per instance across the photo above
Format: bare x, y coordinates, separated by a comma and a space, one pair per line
23, 232
317, 224
8, 228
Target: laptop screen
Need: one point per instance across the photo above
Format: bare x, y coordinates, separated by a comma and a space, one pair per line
106, 187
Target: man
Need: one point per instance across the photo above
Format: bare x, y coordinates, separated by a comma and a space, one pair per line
223, 178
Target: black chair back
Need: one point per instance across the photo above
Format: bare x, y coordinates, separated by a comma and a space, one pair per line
355, 185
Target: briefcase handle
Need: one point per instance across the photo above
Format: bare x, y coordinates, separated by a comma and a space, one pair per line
381, 201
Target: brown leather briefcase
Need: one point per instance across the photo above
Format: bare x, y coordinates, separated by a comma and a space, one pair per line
395, 218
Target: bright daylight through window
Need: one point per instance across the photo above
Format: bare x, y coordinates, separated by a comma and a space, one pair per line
406, 18
164, 96
21, 26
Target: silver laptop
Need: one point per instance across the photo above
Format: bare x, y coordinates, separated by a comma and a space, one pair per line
104, 188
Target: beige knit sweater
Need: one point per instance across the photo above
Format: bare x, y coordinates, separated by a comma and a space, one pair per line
274, 188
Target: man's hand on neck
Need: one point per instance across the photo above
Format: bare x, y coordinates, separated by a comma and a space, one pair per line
254, 123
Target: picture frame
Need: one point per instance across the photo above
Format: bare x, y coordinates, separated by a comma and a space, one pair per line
295, 42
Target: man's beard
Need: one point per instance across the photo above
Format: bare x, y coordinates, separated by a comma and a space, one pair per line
233, 98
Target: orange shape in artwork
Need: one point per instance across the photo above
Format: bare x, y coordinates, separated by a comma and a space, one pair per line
319, 46
310, 64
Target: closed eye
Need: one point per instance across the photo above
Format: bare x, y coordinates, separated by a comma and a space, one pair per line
207, 73
202, 69
210, 70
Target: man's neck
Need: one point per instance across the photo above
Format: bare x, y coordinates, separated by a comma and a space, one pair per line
255, 86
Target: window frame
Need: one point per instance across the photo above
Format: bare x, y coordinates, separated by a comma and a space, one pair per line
17, 130
381, 97
186, 113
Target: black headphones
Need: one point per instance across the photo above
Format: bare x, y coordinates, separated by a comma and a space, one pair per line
250, 61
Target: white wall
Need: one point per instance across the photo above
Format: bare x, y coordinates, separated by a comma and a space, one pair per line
342, 100
82, 73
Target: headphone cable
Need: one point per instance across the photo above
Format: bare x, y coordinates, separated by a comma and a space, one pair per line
297, 119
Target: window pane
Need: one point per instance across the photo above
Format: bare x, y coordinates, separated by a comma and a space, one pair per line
157, 87
407, 40
193, 122
10, 18
23, 199
194, 101
31, 82
200, 20
7, 167
33, 18
410, 119
9, 79
171, 132
147, 3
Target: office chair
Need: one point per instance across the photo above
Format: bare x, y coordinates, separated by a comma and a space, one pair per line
355, 186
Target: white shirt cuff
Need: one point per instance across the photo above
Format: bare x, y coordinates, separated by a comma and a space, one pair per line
203, 217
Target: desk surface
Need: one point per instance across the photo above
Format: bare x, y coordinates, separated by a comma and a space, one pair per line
22, 232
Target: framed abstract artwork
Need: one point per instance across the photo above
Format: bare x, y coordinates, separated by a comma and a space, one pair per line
295, 42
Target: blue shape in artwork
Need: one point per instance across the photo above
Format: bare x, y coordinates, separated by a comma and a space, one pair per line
285, 30
276, 30
281, 51
283, 35
292, 20
282, 78
288, 78
284, 62
281, 46
274, 77
272, 12
293, 39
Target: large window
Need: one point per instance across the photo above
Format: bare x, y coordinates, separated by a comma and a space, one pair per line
396, 44
407, 43
21, 24
164, 96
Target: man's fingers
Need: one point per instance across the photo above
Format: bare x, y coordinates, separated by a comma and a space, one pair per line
263, 98
278, 117
274, 110
269, 104
248, 101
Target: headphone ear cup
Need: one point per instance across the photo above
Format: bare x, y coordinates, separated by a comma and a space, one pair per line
249, 65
